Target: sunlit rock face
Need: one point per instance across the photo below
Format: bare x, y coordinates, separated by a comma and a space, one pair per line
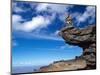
84, 38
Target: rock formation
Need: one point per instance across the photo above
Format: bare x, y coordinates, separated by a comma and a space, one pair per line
84, 38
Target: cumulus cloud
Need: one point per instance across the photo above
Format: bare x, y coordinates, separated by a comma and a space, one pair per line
61, 10
52, 7
89, 13
41, 7
36, 22
16, 18
16, 8
16, 21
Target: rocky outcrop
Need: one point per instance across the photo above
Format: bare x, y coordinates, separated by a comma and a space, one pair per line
84, 38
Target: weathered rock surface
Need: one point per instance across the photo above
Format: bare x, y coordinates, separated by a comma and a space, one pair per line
84, 38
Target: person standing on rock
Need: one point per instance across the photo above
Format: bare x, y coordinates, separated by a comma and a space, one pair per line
68, 21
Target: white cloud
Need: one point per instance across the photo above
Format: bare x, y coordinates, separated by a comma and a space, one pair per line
16, 8
58, 8
62, 10
48, 37
39, 21
52, 8
16, 18
41, 7
36, 22
28, 35
56, 32
90, 12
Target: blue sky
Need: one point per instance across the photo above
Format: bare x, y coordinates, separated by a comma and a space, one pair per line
35, 28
